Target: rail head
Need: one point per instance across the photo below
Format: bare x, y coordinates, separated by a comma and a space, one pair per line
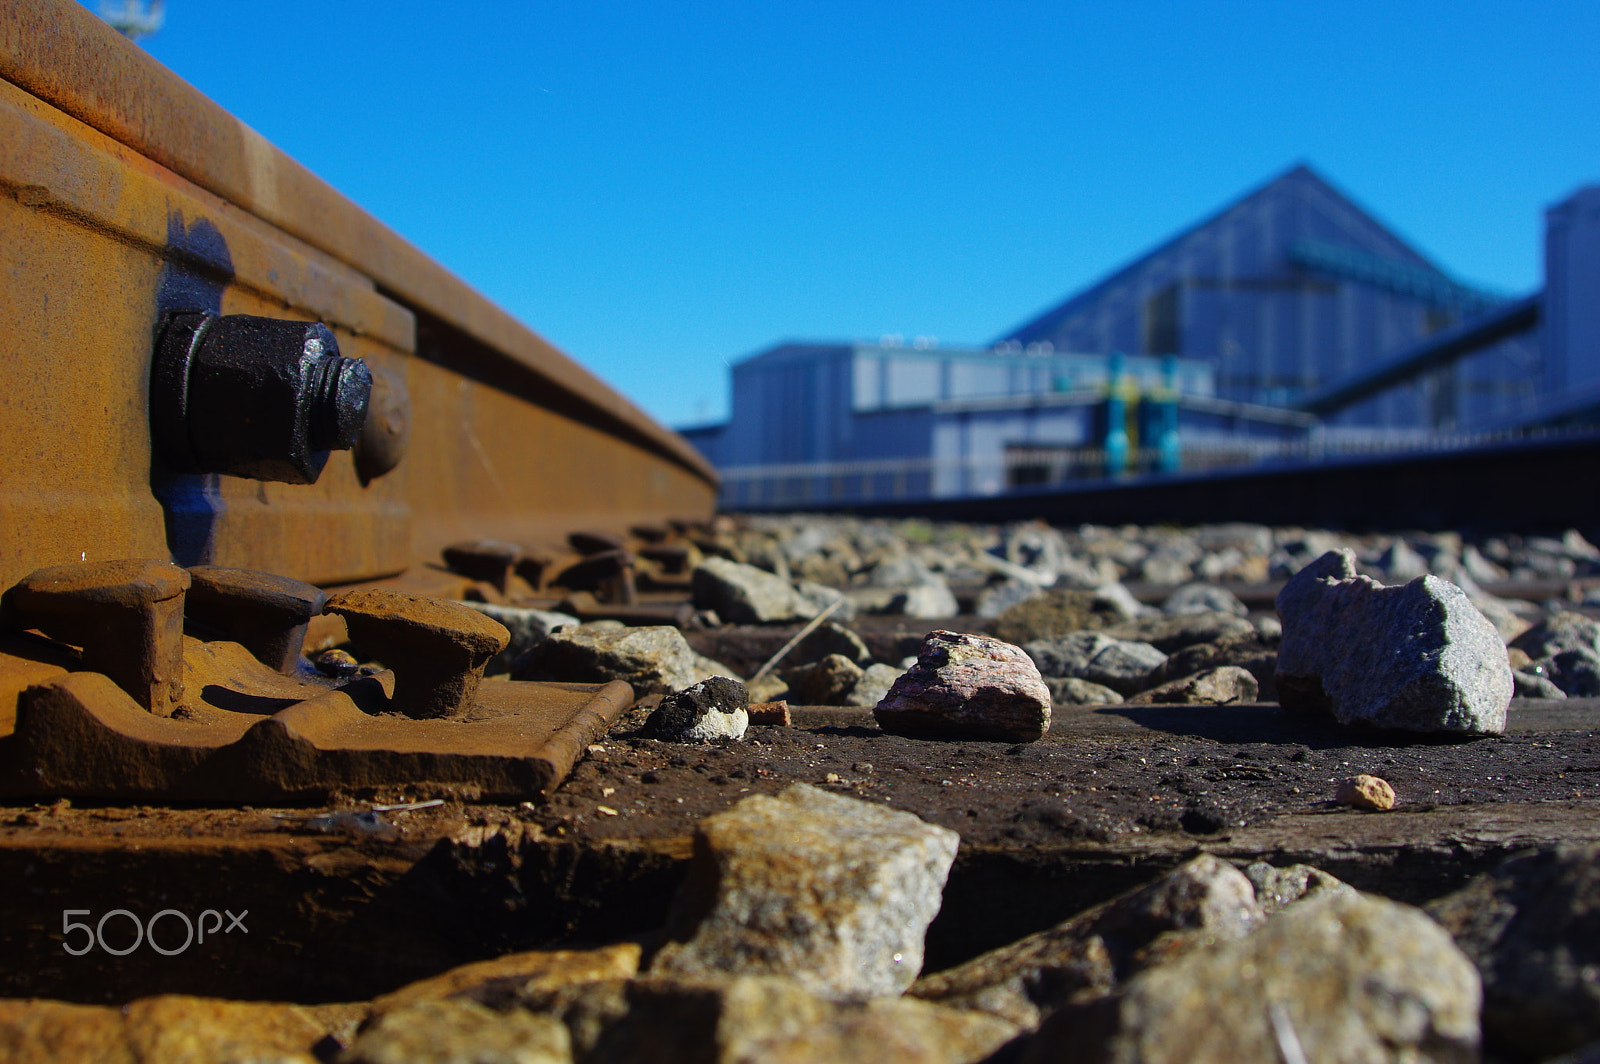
61, 53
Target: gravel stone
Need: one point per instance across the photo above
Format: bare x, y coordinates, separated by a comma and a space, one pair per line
996, 599
833, 892
1122, 665
528, 628
1415, 657
717, 708
181, 1029
1214, 687
831, 638
1347, 977
651, 659
1172, 632
1401, 564
929, 600
874, 685
967, 686
1204, 598
1576, 672
1564, 630
1097, 949
1254, 653
1365, 792
1531, 684
760, 1019
1071, 691
457, 1030
745, 594
814, 598
1056, 612
1532, 926
1278, 888
827, 683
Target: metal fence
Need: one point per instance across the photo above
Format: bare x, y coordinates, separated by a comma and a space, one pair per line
798, 485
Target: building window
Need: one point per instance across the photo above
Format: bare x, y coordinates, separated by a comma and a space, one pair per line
1161, 322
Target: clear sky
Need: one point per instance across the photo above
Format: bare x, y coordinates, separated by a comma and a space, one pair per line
663, 188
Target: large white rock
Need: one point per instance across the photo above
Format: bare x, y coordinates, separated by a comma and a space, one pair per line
1414, 657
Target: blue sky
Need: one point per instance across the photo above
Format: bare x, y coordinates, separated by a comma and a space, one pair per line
662, 188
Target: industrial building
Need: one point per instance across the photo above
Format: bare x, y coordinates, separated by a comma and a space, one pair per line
1289, 323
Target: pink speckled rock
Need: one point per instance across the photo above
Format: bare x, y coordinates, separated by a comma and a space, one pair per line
968, 687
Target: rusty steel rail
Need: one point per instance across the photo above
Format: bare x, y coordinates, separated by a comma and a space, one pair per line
125, 195
232, 391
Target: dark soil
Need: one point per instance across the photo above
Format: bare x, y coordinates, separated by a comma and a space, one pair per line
345, 907
1106, 775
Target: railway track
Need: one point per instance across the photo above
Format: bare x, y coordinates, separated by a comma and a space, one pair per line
251, 423
1531, 485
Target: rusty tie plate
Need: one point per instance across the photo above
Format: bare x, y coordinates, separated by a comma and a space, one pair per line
125, 706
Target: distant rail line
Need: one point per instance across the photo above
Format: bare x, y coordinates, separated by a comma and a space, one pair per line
1531, 485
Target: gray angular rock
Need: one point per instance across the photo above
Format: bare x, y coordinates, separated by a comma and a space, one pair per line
1415, 657
1279, 888
1240, 536
759, 1020
1480, 568
833, 892
716, 708
1400, 563
898, 572
930, 600
872, 600
1122, 665
1532, 927
528, 628
455, 1031
1071, 691
1506, 615
814, 598
1225, 685
1345, 977
1254, 653
1118, 599
874, 686
1576, 672
1171, 632
1563, 630
768, 688
832, 638
1056, 612
1097, 949
997, 598
967, 687
828, 682
1165, 569
1204, 598
653, 658
745, 594
1535, 684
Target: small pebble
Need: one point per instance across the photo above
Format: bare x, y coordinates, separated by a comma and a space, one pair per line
1365, 792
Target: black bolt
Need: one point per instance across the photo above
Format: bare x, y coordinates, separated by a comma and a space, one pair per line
253, 397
